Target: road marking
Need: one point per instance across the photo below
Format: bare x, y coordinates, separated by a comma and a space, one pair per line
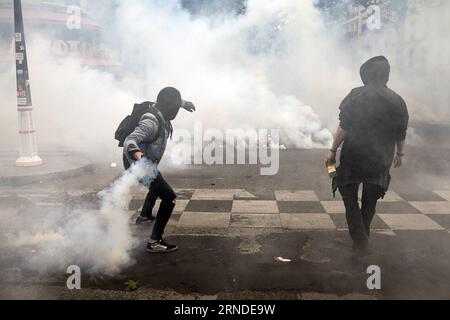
410, 222
299, 195
255, 206
387, 232
244, 194
256, 221
204, 220
333, 207
212, 194
221, 194
310, 221
432, 207
443, 194
390, 196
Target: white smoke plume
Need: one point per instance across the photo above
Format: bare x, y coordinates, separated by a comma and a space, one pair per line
276, 66
245, 71
100, 242
261, 69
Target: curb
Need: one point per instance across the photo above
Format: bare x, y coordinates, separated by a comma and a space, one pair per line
16, 181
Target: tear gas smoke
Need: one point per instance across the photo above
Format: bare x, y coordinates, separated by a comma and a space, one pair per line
246, 71
259, 70
243, 71
100, 242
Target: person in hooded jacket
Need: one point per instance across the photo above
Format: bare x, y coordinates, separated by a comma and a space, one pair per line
373, 127
168, 104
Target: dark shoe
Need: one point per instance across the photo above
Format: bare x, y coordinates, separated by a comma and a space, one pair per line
143, 220
161, 246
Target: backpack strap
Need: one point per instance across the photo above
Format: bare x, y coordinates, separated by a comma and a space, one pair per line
158, 115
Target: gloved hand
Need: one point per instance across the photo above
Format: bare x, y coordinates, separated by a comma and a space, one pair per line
189, 106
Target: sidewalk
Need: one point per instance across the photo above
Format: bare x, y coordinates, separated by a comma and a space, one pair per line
56, 165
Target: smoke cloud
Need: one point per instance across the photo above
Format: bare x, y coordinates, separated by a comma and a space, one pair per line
100, 242
275, 67
257, 70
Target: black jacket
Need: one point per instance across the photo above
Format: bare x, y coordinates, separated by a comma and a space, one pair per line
375, 118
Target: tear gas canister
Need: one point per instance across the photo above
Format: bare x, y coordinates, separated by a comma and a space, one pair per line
332, 170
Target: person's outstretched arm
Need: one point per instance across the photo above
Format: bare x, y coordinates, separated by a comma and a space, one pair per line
188, 106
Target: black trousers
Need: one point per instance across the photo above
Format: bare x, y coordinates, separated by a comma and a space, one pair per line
159, 189
359, 218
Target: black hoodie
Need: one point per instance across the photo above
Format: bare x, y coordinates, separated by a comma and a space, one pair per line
375, 119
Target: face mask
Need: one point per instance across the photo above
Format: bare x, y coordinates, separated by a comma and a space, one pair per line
170, 113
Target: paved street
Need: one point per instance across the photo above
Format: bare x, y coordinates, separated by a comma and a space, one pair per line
230, 223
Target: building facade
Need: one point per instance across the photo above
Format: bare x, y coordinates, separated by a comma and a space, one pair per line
414, 35
66, 24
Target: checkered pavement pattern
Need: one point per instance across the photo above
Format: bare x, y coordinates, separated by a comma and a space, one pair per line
300, 210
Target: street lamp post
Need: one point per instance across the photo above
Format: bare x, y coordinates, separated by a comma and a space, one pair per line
28, 145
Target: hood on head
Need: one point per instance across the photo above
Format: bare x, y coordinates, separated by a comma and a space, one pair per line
169, 103
376, 71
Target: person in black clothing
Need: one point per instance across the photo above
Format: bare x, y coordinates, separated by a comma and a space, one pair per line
373, 124
149, 140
